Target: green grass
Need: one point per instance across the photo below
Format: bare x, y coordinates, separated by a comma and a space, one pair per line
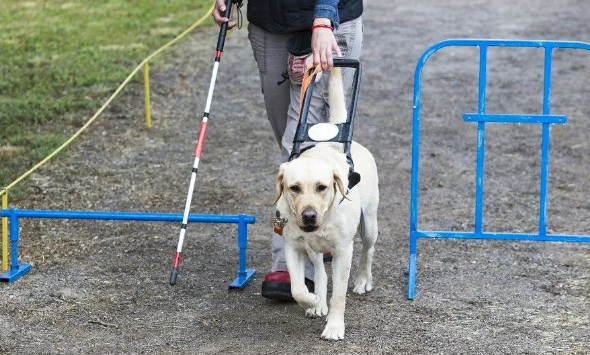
60, 60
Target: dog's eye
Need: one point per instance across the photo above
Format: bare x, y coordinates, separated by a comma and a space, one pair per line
296, 189
321, 188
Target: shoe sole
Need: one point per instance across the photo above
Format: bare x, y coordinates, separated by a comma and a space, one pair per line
281, 291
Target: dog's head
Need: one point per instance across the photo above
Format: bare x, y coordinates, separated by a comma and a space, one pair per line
309, 186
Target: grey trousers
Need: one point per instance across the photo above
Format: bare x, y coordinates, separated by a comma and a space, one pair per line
282, 97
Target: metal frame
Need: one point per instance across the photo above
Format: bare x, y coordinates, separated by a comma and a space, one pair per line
481, 117
17, 270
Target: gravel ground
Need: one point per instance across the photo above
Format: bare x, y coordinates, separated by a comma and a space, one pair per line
102, 288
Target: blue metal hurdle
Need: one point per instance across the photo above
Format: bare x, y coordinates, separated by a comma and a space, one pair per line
481, 117
18, 270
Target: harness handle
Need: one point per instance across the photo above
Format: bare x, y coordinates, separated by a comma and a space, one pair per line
345, 129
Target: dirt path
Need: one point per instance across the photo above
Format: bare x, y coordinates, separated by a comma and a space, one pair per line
101, 288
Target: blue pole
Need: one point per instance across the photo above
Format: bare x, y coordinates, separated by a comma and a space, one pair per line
242, 245
412, 266
415, 173
505, 236
126, 216
481, 133
244, 275
415, 149
545, 143
13, 218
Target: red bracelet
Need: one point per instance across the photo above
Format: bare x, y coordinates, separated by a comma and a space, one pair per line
322, 26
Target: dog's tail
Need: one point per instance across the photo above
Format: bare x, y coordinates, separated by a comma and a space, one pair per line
337, 101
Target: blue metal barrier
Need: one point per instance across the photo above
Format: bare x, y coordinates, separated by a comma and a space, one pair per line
481, 117
18, 270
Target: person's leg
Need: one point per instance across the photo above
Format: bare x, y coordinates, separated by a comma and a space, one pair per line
271, 55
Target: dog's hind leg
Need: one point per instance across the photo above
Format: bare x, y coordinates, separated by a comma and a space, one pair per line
321, 285
363, 280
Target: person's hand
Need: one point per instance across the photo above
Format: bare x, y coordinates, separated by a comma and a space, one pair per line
323, 43
219, 12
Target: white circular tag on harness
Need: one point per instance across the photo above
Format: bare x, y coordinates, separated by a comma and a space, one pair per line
322, 132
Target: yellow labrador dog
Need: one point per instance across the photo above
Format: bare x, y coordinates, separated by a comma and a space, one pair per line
322, 217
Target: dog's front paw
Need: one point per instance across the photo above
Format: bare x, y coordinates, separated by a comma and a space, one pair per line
317, 311
334, 330
307, 299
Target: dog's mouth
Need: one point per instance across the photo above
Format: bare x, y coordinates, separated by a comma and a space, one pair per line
309, 229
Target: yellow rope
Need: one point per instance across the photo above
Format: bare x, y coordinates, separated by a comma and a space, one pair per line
75, 135
146, 89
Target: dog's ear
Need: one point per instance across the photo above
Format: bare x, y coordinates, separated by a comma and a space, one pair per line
338, 183
279, 183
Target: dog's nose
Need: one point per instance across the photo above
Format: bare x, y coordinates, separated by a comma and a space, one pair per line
309, 216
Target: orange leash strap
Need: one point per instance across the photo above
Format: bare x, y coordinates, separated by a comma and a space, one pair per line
308, 76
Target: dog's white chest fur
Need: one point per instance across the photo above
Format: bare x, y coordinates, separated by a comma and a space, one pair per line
321, 241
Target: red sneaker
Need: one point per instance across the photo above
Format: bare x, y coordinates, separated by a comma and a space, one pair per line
277, 286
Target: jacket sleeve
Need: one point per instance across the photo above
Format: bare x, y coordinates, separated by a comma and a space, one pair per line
327, 9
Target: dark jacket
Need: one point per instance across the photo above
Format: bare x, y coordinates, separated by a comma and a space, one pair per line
283, 16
